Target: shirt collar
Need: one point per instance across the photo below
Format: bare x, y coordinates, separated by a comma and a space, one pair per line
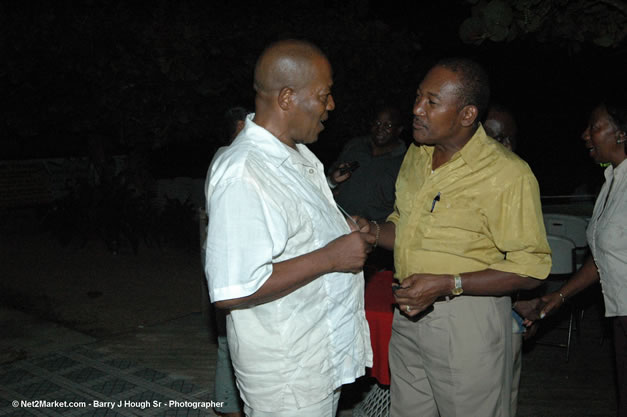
619, 171
472, 152
273, 149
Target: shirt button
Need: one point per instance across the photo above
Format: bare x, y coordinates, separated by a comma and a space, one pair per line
311, 171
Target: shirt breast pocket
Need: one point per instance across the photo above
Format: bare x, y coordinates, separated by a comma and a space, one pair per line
460, 223
613, 237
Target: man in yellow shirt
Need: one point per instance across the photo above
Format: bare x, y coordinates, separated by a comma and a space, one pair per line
466, 231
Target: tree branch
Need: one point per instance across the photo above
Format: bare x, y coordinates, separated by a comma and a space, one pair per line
622, 7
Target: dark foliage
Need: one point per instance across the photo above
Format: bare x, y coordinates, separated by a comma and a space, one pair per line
566, 22
155, 78
159, 76
176, 224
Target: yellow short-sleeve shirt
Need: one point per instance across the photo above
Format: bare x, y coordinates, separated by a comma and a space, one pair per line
480, 210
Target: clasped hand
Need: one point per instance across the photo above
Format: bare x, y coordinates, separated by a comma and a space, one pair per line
420, 291
349, 252
538, 308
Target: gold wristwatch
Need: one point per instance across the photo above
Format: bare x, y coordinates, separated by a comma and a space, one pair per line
457, 290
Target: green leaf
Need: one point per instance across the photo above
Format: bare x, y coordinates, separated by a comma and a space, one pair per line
604, 40
498, 33
472, 31
497, 12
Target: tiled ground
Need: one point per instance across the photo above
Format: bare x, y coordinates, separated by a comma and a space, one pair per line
94, 380
175, 360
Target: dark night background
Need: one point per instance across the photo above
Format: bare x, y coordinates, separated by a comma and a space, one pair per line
153, 79
150, 81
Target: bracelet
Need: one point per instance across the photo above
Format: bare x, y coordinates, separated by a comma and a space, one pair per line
562, 296
376, 236
330, 183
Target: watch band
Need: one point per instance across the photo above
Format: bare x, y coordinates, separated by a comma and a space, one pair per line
457, 290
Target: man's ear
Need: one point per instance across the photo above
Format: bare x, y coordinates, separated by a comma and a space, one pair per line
239, 126
468, 115
284, 99
507, 143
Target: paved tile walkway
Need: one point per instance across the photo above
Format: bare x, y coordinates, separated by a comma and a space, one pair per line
165, 374
99, 384
175, 361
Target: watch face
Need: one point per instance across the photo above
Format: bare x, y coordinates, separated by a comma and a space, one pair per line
458, 286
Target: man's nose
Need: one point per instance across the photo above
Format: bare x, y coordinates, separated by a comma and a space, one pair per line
418, 108
585, 135
330, 103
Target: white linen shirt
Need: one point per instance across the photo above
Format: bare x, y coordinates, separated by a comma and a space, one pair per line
607, 238
268, 203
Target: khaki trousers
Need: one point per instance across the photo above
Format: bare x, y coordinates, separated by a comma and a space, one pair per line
456, 361
517, 342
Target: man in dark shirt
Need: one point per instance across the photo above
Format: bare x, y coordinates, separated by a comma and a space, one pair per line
368, 191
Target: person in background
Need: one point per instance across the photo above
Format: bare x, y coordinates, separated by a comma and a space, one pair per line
463, 242
225, 392
501, 125
368, 191
280, 255
235, 118
605, 137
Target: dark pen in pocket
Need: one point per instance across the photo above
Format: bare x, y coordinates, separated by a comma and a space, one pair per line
435, 200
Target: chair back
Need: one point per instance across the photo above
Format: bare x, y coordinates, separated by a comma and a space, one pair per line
562, 254
569, 226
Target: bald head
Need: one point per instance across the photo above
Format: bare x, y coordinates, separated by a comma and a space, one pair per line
285, 63
293, 81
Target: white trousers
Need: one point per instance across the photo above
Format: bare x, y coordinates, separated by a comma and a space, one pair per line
325, 408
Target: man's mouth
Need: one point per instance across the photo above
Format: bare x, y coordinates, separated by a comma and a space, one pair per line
418, 124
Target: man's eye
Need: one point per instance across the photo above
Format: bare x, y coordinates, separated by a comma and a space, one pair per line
432, 102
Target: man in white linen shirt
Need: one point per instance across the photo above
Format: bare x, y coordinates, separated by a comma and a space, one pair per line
279, 253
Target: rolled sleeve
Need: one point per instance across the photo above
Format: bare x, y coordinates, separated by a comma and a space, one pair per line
394, 216
518, 230
240, 244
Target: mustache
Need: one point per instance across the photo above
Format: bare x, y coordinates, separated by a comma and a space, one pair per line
418, 122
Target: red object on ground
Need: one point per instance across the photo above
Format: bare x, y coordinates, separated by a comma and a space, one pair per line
379, 307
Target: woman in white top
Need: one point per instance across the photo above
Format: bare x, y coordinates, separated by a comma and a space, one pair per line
606, 140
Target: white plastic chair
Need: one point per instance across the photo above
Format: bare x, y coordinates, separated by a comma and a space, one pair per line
571, 227
561, 254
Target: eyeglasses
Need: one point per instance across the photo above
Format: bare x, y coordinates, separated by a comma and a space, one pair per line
386, 125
